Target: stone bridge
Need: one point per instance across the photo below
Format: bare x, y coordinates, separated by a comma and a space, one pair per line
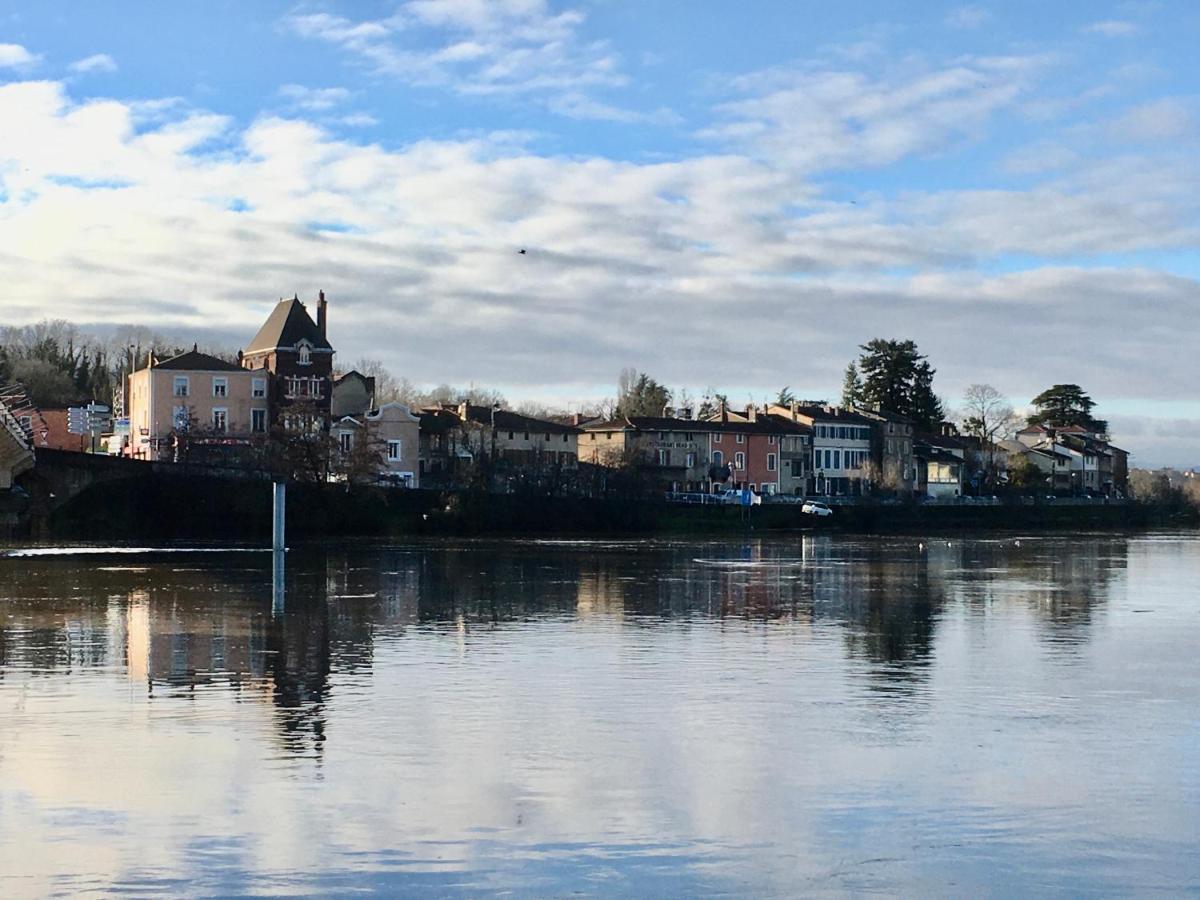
56, 477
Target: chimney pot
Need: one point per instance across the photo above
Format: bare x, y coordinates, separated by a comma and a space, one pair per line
322, 314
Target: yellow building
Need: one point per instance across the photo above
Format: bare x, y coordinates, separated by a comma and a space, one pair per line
204, 398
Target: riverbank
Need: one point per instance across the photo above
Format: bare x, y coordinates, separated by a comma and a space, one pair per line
174, 507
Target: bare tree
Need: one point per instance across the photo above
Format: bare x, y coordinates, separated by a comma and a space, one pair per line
987, 415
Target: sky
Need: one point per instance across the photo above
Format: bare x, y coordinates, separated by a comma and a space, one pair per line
725, 196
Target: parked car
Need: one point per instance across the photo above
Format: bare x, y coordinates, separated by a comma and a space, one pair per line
813, 508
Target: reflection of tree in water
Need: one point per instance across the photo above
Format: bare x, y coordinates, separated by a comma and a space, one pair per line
496, 583
890, 603
1063, 581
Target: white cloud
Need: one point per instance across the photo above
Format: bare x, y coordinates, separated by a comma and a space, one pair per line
1166, 119
830, 118
314, 99
97, 62
971, 16
1112, 28
650, 264
14, 56
476, 48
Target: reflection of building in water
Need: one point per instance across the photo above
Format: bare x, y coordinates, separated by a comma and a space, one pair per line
497, 583
1063, 581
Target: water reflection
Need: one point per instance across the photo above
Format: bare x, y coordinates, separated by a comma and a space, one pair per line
537, 717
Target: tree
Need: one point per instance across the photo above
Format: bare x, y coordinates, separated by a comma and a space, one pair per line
710, 403
785, 397
896, 377
989, 416
640, 395
1024, 476
852, 387
1063, 406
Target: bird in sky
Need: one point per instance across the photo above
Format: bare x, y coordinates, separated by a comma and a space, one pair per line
522, 251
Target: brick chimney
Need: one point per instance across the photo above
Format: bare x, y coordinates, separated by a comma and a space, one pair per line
722, 411
751, 412
322, 314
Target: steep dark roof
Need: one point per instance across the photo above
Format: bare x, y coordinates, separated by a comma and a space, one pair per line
288, 324
197, 361
766, 424
833, 414
510, 421
437, 421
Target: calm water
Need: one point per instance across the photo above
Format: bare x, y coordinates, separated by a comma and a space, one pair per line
806, 716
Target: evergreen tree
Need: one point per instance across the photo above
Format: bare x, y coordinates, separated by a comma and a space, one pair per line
785, 397
852, 387
897, 378
1064, 405
640, 395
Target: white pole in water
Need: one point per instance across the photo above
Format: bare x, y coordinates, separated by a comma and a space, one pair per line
279, 493
277, 540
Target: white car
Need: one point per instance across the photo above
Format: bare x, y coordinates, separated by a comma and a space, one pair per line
812, 508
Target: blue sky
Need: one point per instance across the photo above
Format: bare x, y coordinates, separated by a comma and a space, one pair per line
733, 198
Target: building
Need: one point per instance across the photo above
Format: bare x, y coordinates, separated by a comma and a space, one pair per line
755, 450
892, 450
518, 449
196, 405
296, 353
841, 447
519, 440
380, 445
352, 394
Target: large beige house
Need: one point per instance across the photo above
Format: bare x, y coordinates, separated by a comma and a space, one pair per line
209, 400
389, 440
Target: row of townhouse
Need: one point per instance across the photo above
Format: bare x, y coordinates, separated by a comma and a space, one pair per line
797, 449
1074, 459
285, 378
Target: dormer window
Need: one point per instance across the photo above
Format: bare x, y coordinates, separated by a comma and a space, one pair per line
304, 355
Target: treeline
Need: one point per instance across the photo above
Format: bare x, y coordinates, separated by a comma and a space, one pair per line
59, 364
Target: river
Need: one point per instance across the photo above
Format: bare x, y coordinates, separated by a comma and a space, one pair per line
816, 715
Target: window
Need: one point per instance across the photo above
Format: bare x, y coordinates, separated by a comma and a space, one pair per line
691, 460
837, 459
258, 421
393, 454
771, 462
820, 431
220, 420
304, 355
181, 386
716, 439
718, 458
527, 435
564, 438
829, 459
664, 457
547, 438
741, 439
739, 460
181, 418
258, 387
345, 441
771, 439
220, 387
816, 459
